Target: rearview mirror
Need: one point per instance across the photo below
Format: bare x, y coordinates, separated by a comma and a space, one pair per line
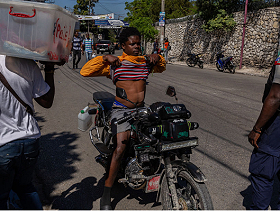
121, 93
171, 91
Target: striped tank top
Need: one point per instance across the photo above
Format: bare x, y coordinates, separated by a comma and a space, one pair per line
129, 71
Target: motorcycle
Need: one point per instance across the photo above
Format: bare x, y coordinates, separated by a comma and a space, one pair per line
224, 63
159, 133
194, 59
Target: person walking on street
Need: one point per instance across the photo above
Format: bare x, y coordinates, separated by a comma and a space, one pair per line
88, 43
155, 49
166, 49
76, 49
265, 138
129, 72
21, 81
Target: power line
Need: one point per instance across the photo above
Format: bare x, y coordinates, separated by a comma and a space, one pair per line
104, 7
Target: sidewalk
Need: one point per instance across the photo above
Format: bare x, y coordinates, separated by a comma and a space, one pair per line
244, 70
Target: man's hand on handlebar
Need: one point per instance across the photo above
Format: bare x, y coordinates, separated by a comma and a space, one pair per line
113, 60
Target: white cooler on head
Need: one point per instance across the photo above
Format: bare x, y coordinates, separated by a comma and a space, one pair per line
33, 30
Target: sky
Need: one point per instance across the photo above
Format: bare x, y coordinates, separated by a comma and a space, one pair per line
101, 7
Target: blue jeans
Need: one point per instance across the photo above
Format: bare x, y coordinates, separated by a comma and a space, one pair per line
17, 164
88, 56
166, 55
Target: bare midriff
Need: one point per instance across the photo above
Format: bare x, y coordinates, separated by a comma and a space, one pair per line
135, 91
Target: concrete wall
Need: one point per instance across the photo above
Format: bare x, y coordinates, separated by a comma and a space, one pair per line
261, 39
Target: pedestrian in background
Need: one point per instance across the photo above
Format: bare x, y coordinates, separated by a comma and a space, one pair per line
166, 49
265, 137
88, 45
155, 49
77, 43
21, 81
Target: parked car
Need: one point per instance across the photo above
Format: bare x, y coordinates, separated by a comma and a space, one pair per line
105, 46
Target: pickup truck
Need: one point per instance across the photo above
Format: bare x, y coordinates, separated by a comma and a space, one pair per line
105, 46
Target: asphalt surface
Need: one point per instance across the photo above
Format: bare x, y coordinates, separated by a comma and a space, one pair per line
225, 106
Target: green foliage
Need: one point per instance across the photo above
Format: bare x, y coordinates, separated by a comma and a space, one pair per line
222, 21
143, 13
82, 8
138, 17
217, 14
145, 27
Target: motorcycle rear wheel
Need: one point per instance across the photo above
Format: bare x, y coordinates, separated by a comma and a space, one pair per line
191, 195
190, 62
219, 67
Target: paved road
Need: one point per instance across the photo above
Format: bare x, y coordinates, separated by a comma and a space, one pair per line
225, 106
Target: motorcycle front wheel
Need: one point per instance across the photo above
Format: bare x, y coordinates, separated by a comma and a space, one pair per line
190, 62
200, 64
191, 195
231, 68
219, 67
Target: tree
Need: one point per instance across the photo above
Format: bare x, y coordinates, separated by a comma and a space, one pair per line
83, 7
217, 14
144, 13
138, 17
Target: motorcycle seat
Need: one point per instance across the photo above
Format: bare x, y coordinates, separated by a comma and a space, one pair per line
107, 104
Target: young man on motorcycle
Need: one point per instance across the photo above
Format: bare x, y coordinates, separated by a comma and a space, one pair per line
129, 72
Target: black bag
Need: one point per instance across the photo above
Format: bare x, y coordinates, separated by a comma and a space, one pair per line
170, 130
175, 130
169, 48
173, 111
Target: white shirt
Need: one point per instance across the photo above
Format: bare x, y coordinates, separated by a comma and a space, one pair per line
25, 77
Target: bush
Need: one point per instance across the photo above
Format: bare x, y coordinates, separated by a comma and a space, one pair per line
222, 21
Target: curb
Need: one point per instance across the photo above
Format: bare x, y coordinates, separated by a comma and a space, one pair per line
244, 70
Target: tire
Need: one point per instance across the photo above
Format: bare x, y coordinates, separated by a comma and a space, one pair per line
200, 64
218, 67
232, 68
97, 52
197, 199
190, 62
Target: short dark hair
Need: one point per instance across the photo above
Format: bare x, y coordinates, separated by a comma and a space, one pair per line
127, 32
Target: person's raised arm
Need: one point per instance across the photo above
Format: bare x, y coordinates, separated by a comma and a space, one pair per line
46, 100
98, 66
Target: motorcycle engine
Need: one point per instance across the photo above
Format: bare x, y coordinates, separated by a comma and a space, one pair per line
134, 175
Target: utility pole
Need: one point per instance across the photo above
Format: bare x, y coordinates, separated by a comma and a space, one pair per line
243, 35
88, 13
162, 27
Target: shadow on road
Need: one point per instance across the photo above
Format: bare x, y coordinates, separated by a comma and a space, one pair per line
55, 161
80, 196
119, 192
